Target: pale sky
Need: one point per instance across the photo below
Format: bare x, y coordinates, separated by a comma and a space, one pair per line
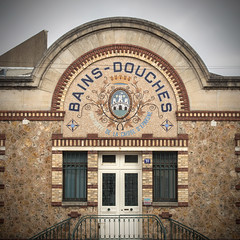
211, 27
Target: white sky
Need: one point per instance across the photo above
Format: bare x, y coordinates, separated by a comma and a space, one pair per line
211, 27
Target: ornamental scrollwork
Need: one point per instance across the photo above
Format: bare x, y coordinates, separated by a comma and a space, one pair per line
120, 103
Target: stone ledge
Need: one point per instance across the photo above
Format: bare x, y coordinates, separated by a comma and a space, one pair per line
74, 204
165, 204
16, 81
216, 81
170, 204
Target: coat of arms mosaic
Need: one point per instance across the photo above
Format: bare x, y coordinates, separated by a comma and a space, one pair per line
120, 97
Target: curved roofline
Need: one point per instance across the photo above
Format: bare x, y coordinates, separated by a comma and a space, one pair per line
107, 51
120, 22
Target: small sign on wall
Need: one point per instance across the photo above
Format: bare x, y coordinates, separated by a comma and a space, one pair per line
147, 201
147, 160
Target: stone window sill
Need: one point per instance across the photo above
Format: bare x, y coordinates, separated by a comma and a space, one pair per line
165, 204
72, 204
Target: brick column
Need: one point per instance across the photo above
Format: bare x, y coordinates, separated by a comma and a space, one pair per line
182, 179
147, 178
92, 179
57, 174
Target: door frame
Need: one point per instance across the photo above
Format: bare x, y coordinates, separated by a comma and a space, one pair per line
119, 167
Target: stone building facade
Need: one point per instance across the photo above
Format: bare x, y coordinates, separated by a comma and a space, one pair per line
178, 112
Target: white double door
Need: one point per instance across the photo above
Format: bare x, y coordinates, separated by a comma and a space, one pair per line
120, 182
120, 195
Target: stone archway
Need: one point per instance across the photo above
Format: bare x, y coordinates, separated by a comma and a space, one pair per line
120, 50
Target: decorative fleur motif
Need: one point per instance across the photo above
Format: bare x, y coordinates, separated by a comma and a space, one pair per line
72, 125
166, 125
120, 107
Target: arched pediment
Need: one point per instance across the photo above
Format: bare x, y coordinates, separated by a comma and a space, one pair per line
121, 50
118, 89
145, 40
119, 30
158, 43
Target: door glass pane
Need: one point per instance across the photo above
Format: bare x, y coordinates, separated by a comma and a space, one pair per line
131, 158
131, 189
109, 158
108, 189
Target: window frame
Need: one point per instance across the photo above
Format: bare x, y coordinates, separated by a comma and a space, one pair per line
160, 198
81, 166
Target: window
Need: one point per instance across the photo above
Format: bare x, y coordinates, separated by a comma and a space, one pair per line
109, 158
74, 176
165, 176
131, 158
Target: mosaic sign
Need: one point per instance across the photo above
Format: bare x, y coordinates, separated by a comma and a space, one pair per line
120, 97
120, 103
